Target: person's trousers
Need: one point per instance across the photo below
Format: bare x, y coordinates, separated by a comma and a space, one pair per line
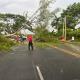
30, 46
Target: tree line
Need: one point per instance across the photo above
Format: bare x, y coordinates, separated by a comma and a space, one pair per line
72, 14
11, 22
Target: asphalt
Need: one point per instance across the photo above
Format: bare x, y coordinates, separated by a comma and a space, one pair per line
20, 64
75, 47
17, 65
70, 47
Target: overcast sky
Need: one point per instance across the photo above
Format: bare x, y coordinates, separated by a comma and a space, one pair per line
22, 6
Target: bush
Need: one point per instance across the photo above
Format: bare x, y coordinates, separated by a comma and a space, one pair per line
5, 44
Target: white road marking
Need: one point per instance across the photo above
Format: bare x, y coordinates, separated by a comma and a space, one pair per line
39, 73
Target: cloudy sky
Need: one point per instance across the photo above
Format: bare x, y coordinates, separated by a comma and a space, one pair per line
22, 6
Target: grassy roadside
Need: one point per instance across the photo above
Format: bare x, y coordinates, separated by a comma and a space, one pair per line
40, 44
75, 43
46, 44
6, 44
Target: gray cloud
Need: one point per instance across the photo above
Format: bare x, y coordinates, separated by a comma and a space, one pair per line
29, 3
21, 6
18, 6
5, 3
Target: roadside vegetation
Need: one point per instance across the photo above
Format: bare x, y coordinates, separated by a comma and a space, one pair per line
43, 38
72, 14
6, 44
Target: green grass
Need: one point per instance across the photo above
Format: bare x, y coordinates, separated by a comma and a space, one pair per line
46, 44
40, 44
5, 44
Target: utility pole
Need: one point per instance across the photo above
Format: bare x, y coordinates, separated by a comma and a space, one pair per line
65, 27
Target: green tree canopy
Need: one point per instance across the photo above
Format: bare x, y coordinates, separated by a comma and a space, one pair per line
19, 20
73, 15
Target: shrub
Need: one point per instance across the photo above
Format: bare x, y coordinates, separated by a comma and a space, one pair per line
5, 44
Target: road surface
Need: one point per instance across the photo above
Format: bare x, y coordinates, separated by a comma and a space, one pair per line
40, 64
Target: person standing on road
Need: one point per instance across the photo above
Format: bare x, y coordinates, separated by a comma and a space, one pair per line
30, 42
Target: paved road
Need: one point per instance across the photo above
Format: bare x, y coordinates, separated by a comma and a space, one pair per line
53, 64
70, 47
